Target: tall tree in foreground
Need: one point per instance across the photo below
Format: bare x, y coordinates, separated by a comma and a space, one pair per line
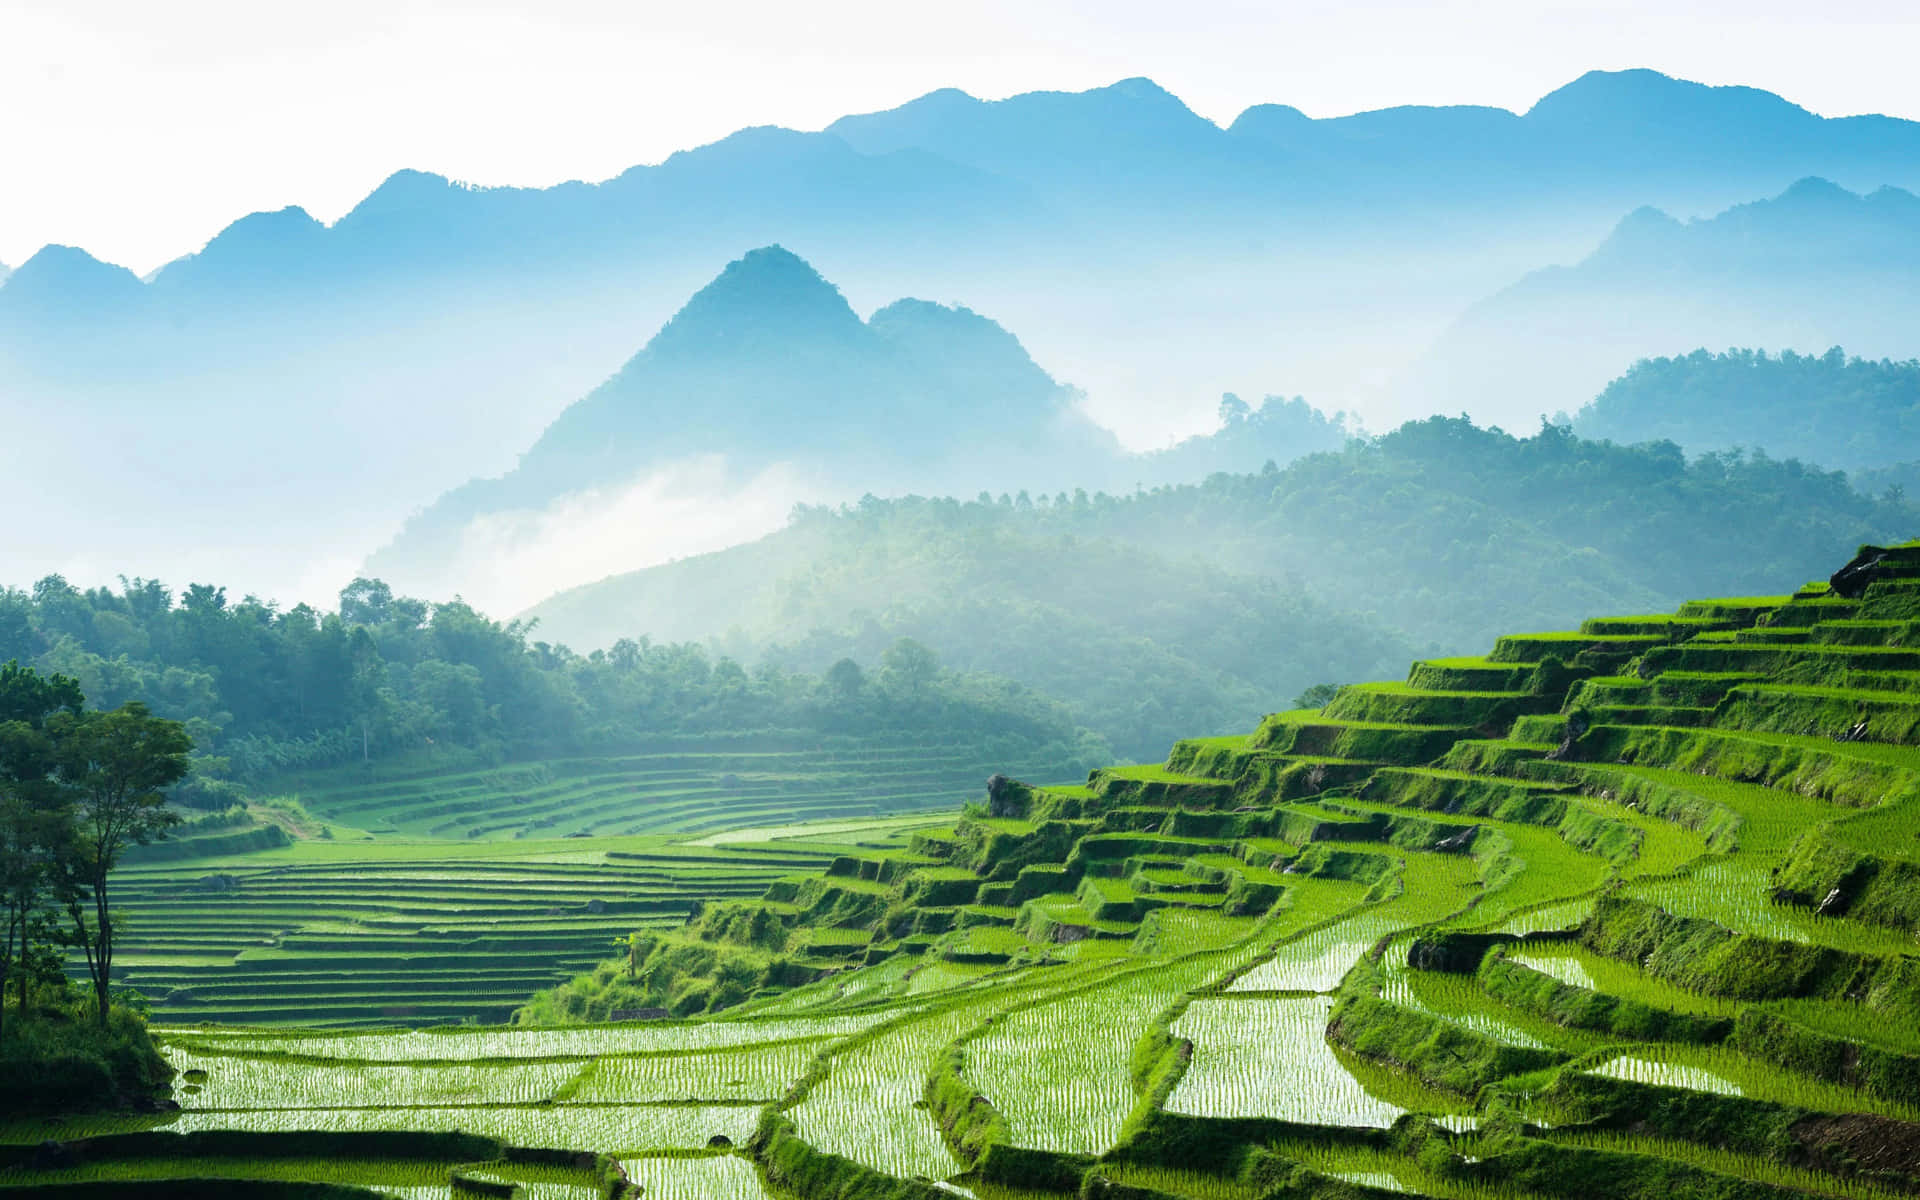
34, 815
118, 765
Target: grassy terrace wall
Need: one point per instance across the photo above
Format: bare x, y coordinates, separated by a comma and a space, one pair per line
1626, 911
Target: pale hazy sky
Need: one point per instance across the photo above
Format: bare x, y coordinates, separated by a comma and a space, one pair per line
138, 129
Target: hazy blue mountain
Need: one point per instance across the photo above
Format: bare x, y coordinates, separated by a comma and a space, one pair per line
1814, 267
1612, 138
340, 376
766, 369
5, 271
62, 284
1851, 413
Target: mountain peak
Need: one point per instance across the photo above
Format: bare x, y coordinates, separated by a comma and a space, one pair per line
762, 299
1139, 87
404, 194
65, 281
1640, 101
258, 246
951, 334
1638, 233
1815, 191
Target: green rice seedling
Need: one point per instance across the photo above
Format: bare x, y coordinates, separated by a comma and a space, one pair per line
230, 1083
1058, 1072
610, 1129
1891, 831
1538, 869
1408, 1092
1187, 929
1726, 1162
708, 1177
1664, 847
1666, 1074
1551, 917
444, 1045
1268, 1057
393, 1176
1193, 1185
866, 1108
761, 1073
938, 978
1567, 968
1375, 1167
1852, 1021
1460, 1000
1572, 962
1768, 1081
1430, 888
1318, 961
541, 1182
1736, 893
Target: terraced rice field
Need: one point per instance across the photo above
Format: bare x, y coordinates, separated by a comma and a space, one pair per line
453, 895
1628, 911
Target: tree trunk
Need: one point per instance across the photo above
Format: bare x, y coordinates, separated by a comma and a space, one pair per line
102, 959
6, 964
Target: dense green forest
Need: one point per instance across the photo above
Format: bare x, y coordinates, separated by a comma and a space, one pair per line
265, 690
1197, 608
1850, 413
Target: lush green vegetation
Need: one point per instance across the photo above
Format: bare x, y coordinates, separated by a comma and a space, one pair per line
56, 1046
79, 788
1594, 910
1179, 611
268, 692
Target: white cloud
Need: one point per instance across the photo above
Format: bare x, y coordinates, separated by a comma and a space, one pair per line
506, 562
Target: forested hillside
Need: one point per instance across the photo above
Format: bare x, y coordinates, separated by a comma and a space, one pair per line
1849, 413
1200, 606
265, 691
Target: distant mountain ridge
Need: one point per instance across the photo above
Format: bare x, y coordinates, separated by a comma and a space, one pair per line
1813, 267
339, 376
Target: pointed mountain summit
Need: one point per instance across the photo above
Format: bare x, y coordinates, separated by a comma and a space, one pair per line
756, 357
259, 250
767, 365
769, 300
